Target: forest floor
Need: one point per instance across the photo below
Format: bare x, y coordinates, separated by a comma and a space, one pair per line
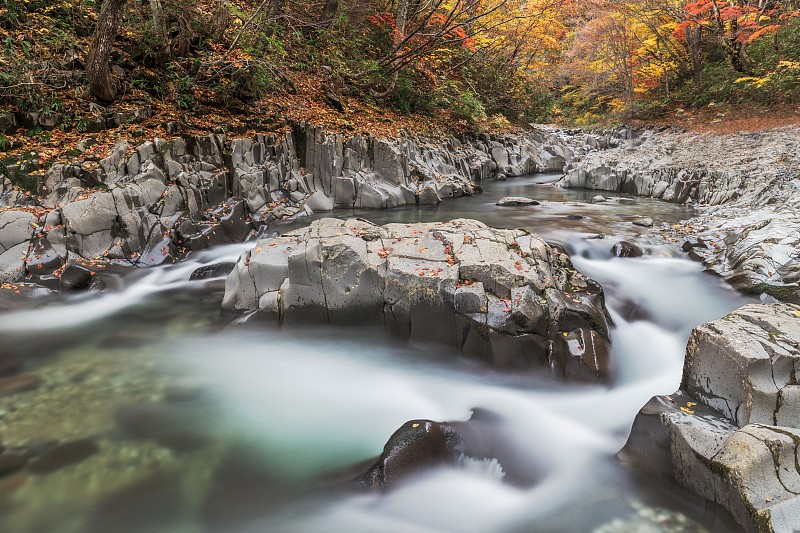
726, 120
309, 104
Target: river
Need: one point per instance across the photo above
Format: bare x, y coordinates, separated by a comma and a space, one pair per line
206, 426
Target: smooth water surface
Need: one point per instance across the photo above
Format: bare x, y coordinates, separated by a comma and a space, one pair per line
207, 427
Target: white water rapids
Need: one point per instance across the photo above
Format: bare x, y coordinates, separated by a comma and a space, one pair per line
302, 404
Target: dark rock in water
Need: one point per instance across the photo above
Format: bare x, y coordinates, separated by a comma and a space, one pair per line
583, 355
19, 295
645, 222
75, 278
626, 249
63, 455
11, 462
212, 271
574, 217
514, 201
14, 384
9, 365
162, 423
417, 445
501, 177
423, 444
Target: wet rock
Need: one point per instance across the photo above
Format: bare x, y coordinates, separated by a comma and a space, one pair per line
417, 445
514, 201
20, 295
598, 199
574, 217
626, 249
9, 365
75, 277
497, 295
645, 222
20, 383
63, 455
731, 434
212, 271
162, 423
501, 177
11, 462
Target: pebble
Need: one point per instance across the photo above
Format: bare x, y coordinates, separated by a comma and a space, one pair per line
63, 455
14, 384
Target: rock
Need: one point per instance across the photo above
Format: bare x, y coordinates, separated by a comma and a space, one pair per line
75, 277
9, 364
417, 445
166, 425
21, 383
500, 295
11, 462
744, 172
626, 249
420, 445
512, 201
20, 295
598, 199
645, 222
731, 434
501, 177
217, 270
63, 455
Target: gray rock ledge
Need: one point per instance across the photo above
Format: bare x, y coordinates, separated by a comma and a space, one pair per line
501, 296
731, 434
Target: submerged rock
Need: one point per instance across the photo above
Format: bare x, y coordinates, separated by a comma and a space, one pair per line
731, 434
63, 455
514, 201
503, 296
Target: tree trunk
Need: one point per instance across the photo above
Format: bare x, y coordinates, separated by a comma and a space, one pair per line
328, 13
400, 19
98, 72
401, 16
694, 44
160, 25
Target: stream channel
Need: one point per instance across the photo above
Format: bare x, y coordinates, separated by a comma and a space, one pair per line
198, 426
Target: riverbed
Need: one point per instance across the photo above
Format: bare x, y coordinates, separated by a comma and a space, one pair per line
205, 426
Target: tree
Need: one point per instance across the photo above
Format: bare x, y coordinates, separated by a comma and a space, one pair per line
101, 82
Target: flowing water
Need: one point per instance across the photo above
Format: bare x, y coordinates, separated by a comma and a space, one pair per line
207, 427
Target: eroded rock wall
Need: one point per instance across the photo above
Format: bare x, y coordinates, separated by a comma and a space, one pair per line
149, 204
745, 186
731, 434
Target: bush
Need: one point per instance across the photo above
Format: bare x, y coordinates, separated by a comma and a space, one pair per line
467, 106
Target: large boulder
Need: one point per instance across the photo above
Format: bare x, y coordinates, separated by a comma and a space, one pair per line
504, 296
420, 445
16, 229
731, 434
